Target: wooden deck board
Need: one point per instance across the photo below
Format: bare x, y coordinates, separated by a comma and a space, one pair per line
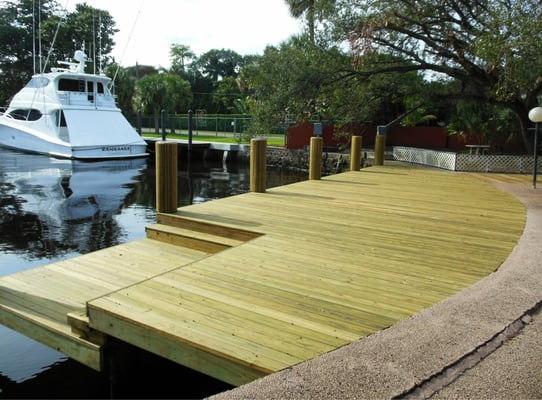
338, 259
36, 302
314, 265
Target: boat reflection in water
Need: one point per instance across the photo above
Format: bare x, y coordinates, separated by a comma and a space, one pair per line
54, 209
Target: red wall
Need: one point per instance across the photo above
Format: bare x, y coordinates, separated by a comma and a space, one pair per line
427, 137
412, 136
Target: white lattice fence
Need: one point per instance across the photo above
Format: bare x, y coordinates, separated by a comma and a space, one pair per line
467, 162
439, 159
495, 163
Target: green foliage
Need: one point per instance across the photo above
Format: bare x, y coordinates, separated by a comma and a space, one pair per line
181, 56
485, 121
17, 25
299, 81
86, 26
168, 92
219, 64
490, 46
227, 97
60, 34
511, 49
312, 11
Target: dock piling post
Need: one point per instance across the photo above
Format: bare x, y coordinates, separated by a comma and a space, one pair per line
380, 144
315, 161
258, 165
166, 177
355, 153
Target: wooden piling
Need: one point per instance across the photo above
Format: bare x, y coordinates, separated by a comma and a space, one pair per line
355, 153
166, 177
380, 146
258, 164
315, 162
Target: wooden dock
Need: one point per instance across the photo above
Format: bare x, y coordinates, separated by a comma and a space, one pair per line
241, 287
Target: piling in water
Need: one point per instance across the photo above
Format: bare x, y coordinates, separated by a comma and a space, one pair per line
258, 164
166, 177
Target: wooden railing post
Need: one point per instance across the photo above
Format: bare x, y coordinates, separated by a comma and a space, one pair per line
315, 161
355, 153
166, 177
258, 165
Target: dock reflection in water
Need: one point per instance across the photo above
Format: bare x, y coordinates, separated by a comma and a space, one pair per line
53, 209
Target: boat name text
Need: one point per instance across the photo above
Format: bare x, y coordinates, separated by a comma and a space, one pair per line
116, 148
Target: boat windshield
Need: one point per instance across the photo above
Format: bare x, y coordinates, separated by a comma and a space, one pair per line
27, 114
38, 82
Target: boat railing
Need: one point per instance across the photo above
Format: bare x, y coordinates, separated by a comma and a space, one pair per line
86, 99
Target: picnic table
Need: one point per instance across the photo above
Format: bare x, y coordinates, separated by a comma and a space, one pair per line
478, 148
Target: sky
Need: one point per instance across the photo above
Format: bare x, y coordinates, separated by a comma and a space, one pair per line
147, 28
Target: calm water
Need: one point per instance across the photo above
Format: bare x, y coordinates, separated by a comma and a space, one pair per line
52, 210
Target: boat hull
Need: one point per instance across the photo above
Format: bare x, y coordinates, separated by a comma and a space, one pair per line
32, 141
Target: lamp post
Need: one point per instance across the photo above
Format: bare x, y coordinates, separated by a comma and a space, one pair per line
535, 115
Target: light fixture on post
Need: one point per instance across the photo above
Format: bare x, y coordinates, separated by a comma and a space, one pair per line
535, 115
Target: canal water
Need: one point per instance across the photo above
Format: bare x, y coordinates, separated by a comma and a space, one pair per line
52, 210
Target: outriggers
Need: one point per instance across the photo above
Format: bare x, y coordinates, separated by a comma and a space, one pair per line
68, 113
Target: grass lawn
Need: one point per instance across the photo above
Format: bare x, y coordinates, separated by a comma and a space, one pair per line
221, 137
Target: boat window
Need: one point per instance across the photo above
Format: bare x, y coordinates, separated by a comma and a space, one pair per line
71, 85
38, 82
99, 87
60, 119
29, 114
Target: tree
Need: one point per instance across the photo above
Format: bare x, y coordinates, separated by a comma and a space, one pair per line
226, 96
154, 93
181, 56
89, 27
219, 64
490, 46
298, 81
300, 8
18, 29
312, 11
34, 35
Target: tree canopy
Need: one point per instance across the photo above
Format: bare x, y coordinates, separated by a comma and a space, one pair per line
35, 35
492, 47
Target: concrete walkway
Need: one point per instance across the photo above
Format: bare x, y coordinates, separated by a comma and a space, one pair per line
484, 342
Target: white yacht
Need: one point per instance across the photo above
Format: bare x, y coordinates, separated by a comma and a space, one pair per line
68, 113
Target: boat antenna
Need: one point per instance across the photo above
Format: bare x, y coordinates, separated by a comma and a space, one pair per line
60, 20
93, 42
127, 42
100, 42
39, 36
34, 37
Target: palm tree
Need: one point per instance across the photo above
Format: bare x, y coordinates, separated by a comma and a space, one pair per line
298, 8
